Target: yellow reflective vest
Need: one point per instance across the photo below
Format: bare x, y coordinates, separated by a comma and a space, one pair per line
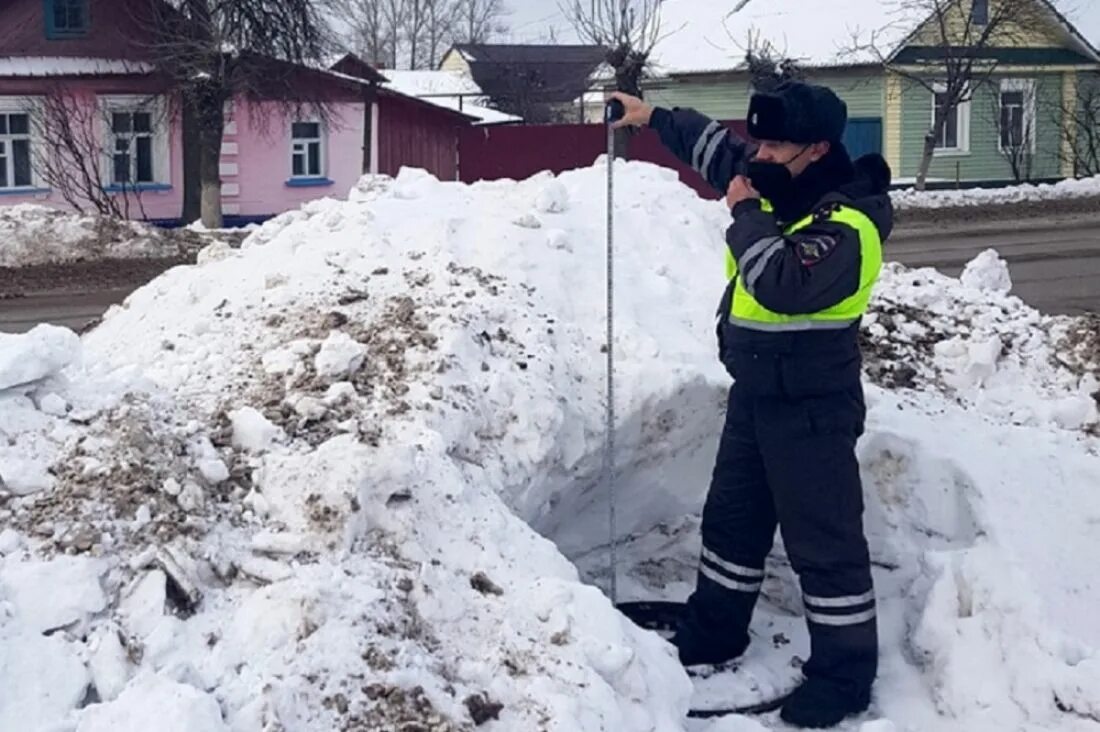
747, 312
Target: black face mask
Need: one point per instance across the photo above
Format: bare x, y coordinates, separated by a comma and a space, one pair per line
773, 180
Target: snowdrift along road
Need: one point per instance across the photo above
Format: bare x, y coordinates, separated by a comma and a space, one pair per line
329, 481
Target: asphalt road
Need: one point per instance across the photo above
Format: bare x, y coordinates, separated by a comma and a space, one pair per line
1055, 267
1056, 270
19, 315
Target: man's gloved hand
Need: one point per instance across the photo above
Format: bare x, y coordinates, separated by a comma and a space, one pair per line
637, 112
740, 190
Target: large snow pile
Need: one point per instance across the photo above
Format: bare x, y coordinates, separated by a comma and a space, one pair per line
293, 487
1027, 192
32, 234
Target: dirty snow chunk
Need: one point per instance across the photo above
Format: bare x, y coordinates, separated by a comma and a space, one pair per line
287, 358
53, 405
191, 497
154, 702
553, 198
987, 272
252, 431
339, 356
42, 678
53, 594
108, 663
292, 485
308, 407
25, 477
29, 357
340, 392
142, 607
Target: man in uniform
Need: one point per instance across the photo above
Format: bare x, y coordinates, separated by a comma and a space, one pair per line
804, 251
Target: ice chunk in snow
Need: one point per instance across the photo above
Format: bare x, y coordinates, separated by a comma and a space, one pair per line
287, 358
735, 723
1074, 412
53, 594
108, 663
153, 702
339, 356
42, 680
553, 198
53, 405
987, 272
43, 351
10, 542
24, 477
252, 431
142, 607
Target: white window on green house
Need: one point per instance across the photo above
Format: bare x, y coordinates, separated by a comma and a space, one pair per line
307, 151
1017, 123
15, 151
954, 136
132, 148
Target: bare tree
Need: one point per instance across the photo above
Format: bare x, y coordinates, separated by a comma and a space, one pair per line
71, 155
367, 31
395, 15
767, 65
952, 54
215, 52
629, 30
440, 23
479, 21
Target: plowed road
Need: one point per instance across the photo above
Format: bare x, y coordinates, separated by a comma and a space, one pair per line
1056, 268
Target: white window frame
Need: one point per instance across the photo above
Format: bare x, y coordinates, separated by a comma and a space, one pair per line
1030, 120
962, 112
162, 157
321, 140
19, 106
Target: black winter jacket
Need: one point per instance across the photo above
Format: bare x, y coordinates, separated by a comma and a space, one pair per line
818, 267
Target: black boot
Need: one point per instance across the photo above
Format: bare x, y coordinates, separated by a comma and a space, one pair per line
821, 702
697, 650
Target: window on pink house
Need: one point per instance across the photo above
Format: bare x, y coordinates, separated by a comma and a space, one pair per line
15, 150
307, 153
132, 148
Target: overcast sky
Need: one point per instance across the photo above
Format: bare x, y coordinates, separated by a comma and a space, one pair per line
531, 20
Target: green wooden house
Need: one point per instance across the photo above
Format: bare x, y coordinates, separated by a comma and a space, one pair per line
886, 61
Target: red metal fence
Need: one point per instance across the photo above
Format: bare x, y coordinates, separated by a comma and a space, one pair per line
520, 151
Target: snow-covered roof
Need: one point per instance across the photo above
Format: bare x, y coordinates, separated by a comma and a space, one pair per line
705, 35
69, 66
451, 89
420, 83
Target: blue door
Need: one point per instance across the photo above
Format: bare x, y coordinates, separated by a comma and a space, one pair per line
864, 135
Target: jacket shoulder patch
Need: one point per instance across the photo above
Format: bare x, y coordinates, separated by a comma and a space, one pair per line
815, 248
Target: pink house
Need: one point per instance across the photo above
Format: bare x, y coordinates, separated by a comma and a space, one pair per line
82, 57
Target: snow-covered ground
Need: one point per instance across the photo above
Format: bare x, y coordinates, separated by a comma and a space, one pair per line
31, 234
334, 479
911, 198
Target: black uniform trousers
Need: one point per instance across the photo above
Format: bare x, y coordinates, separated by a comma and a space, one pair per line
791, 462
